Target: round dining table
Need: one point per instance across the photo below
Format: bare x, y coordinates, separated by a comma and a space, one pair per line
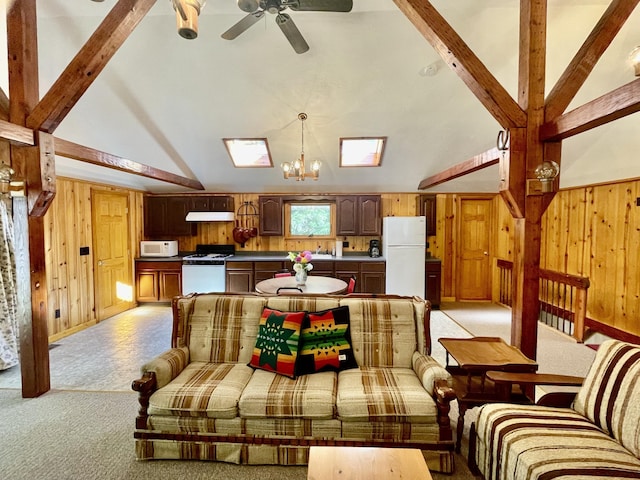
314, 284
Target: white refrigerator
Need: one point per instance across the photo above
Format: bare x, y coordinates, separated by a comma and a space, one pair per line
403, 246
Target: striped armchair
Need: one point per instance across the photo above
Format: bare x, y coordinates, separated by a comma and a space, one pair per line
597, 437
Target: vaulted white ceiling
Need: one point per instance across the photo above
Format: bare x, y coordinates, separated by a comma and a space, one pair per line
168, 102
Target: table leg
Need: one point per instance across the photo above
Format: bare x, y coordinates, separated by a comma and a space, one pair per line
462, 409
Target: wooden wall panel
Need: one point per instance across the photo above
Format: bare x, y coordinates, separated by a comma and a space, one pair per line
70, 275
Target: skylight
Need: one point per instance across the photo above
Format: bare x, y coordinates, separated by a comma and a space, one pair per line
249, 152
361, 151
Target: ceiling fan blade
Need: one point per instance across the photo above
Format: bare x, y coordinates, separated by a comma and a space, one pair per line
320, 5
242, 25
292, 33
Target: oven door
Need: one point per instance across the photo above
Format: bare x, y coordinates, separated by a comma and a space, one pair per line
203, 278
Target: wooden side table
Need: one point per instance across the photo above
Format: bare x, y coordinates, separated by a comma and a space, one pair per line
366, 463
475, 357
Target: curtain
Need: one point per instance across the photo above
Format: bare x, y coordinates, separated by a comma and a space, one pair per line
8, 294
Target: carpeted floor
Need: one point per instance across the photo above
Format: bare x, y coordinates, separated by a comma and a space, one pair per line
82, 429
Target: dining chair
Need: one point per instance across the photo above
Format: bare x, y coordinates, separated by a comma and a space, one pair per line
282, 274
352, 285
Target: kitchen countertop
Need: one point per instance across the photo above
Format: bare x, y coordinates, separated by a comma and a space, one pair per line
271, 256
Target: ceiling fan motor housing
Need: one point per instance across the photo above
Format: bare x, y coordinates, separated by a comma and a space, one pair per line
248, 6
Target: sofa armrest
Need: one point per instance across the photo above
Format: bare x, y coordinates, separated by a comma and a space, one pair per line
505, 380
167, 365
429, 371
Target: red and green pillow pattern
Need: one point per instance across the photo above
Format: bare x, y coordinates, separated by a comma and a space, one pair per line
301, 343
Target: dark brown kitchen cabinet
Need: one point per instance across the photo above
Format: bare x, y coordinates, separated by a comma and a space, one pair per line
266, 270
270, 215
210, 203
432, 280
358, 215
372, 277
347, 269
240, 277
158, 281
165, 217
322, 268
427, 208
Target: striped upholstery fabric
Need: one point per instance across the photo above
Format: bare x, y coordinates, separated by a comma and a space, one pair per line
275, 396
429, 370
202, 390
610, 395
383, 395
167, 365
531, 442
383, 332
220, 328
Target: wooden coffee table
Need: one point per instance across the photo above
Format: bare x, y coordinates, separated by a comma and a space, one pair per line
366, 463
475, 357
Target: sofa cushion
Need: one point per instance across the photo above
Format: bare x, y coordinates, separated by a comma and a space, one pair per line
277, 341
609, 395
325, 342
218, 328
383, 395
383, 331
271, 395
202, 390
534, 442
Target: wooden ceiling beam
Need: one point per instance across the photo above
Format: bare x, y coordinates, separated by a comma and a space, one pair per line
68, 149
478, 162
587, 56
616, 104
16, 134
87, 64
461, 59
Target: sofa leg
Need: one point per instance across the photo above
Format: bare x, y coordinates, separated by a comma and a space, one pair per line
471, 460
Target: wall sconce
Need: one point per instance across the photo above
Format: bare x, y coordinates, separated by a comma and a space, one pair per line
634, 58
187, 12
547, 172
9, 184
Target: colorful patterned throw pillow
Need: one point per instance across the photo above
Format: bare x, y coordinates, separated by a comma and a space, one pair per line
325, 343
276, 347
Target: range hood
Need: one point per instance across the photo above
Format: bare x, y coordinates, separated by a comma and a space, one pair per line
210, 217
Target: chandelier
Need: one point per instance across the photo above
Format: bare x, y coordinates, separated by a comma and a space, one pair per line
297, 169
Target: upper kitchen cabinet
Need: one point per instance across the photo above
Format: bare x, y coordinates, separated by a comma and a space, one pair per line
165, 217
427, 208
270, 215
358, 215
203, 203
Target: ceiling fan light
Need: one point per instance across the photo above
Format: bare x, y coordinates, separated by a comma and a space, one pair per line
634, 58
248, 6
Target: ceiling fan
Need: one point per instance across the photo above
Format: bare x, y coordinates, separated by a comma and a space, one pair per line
257, 8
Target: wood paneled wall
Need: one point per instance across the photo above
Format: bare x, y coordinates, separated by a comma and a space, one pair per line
595, 232
70, 275
400, 204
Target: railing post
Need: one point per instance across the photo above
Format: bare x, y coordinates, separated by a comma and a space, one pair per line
581, 313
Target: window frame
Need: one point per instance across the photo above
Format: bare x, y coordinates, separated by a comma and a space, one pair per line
287, 220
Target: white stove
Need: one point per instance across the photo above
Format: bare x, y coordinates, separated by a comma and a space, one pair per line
204, 271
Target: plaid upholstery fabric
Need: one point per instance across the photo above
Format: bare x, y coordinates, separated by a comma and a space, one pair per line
219, 328
296, 303
610, 394
202, 390
270, 395
429, 370
533, 442
383, 331
383, 395
167, 365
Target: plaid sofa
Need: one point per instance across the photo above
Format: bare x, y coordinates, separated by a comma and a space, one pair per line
598, 437
200, 400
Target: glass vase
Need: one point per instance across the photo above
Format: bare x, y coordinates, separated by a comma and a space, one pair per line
301, 278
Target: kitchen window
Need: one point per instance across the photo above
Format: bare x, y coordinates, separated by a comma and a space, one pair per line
310, 220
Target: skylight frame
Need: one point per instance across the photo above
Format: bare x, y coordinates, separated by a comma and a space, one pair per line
246, 143
373, 156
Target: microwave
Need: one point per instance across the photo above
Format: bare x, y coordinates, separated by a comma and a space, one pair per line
158, 248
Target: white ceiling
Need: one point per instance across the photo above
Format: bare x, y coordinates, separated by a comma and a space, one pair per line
167, 102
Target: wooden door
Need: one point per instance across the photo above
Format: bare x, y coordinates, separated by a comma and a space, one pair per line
112, 258
474, 264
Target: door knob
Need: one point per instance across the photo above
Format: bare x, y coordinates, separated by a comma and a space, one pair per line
486, 253
99, 263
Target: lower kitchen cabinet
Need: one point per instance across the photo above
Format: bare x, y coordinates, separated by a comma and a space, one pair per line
240, 277
158, 281
266, 270
432, 280
372, 277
